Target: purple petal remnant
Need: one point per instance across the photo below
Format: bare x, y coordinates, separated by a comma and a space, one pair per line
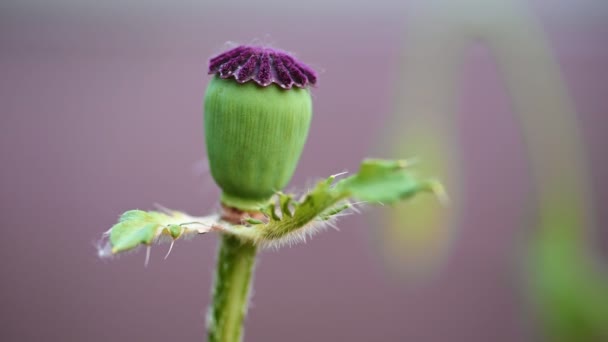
264, 66
282, 73
298, 77
246, 71
263, 76
217, 61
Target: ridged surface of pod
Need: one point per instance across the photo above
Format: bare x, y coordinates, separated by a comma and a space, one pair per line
255, 136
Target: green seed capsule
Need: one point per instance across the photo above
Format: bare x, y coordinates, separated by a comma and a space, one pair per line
255, 135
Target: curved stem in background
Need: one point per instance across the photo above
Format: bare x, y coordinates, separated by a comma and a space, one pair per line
415, 240
564, 278
231, 288
565, 285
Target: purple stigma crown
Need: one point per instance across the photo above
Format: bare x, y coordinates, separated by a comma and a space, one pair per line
263, 66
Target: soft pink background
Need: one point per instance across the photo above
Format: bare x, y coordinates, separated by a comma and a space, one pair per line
100, 110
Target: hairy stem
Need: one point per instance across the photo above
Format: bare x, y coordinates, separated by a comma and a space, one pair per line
231, 289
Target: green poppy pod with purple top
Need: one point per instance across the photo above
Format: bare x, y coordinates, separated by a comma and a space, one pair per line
258, 110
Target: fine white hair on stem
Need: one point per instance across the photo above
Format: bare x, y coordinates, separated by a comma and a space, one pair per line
409, 162
162, 208
353, 206
147, 260
104, 250
299, 235
169, 251
440, 192
339, 174
331, 224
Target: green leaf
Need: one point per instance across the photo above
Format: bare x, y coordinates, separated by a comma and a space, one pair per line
385, 181
378, 181
567, 282
138, 227
134, 227
285, 201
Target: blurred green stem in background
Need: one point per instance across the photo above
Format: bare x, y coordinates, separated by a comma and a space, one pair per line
415, 241
565, 285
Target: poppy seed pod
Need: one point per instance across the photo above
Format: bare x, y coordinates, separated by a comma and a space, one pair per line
258, 110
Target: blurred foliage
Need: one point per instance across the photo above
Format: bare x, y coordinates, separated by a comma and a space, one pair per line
567, 286
414, 239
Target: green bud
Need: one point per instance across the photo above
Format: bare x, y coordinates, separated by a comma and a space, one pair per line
254, 137
175, 230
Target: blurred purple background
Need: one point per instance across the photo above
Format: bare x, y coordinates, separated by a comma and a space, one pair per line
101, 110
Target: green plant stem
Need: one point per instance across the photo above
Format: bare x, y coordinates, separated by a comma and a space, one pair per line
233, 276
